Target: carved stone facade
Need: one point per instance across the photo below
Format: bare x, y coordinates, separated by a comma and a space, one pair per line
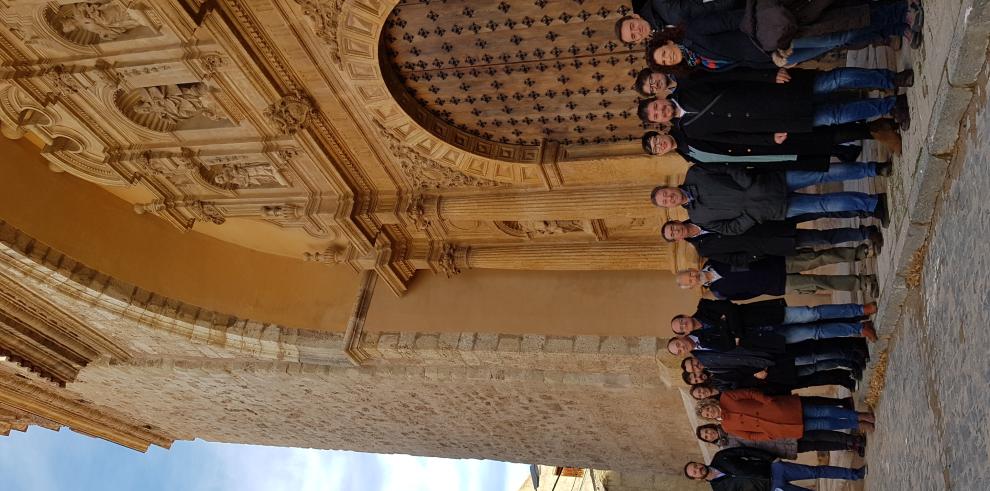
276, 126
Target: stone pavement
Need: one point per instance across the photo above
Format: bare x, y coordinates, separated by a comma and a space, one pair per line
933, 431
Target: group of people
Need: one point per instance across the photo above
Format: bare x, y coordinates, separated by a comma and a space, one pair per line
743, 361
723, 92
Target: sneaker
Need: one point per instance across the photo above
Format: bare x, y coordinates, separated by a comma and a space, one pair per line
871, 287
882, 211
863, 251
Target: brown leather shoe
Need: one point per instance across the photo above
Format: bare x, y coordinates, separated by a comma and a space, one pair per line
902, 112
904, 78
870, 308
884, 131
869, 332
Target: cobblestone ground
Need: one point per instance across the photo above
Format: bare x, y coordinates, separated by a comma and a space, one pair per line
934, 432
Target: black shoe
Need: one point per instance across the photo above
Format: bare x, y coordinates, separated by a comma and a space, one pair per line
884, 169
904, 78
881, 211
902, 112
847, 153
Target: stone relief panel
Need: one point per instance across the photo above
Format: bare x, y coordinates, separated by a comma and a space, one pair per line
174, 107
87, 23
541, 228
246, 176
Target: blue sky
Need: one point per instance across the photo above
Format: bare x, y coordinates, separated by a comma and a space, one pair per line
44, 460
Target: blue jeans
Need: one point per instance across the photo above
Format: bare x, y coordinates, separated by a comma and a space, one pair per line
833, 113
825, 366
804, 315
811, 204
850, 78
886, 20
782, 473
795, 333
829, 418
806, 238
797, 179
845, 357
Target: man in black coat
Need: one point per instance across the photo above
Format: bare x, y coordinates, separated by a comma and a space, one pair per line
652, 15
730, 200
765, 239
777, 276
748, 107
734, 319
781, 378
750, 469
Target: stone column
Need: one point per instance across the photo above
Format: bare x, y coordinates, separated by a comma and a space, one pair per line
560, 204
550, 256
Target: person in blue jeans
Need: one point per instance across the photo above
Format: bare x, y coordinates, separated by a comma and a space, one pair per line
754, 469
810, 204
731, 201
887, 19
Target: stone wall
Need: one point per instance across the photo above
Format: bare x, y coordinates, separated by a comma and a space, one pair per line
506, 413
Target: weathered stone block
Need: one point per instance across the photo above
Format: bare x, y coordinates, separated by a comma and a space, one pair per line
486, 342
951, 104
510, 343
533, 343
559, 344
587, 344
927, 187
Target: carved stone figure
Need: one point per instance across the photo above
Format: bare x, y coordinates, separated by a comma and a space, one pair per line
176, 103
108, 21
254, 175
325, 16
291, 113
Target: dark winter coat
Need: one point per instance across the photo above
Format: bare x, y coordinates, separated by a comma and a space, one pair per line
800, 151
730, 201
725, 107
740, 317
760, 241
660, 13
764, 277
745, 469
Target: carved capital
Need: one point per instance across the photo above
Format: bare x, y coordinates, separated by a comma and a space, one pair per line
448, 260
291, 113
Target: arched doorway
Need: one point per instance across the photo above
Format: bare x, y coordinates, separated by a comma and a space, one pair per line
515, 72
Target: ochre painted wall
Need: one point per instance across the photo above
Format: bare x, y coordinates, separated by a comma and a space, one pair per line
102, 231
630, 303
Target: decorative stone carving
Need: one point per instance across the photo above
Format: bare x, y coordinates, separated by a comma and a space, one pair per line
170, 107
62, 81
281, 211
426, 173
540, 228
93, 22
446, 262
246, 176
332, 255
291, 113
212, 63
207, 211
417, 213
325, 16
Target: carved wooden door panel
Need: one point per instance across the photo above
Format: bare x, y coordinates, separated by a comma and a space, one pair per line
518, 71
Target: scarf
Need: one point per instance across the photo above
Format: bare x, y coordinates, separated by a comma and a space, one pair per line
693, 59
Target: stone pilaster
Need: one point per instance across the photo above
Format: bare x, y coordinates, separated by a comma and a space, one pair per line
560, 204
550, 256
